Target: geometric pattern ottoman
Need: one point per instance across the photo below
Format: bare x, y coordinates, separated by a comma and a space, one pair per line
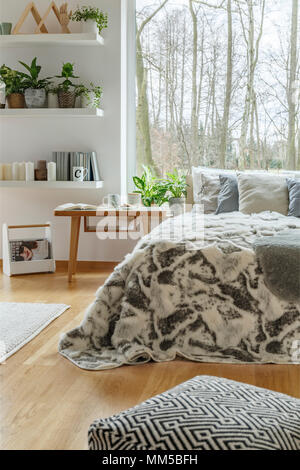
204, 413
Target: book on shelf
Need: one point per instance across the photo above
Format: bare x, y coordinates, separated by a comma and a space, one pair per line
65, 161
76, 207
62, 160
95, 167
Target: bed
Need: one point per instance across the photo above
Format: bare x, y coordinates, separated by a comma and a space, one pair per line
194, 289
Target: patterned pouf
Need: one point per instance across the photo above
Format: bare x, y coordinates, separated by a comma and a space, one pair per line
204, 413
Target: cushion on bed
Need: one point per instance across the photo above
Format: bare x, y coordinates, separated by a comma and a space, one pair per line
258, 193
294, 197
204, 413
228, 198
212, 186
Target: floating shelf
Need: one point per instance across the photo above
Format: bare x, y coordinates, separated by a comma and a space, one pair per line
52, 184
23, 40
52, 112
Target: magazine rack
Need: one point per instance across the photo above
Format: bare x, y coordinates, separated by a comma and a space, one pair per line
26, 232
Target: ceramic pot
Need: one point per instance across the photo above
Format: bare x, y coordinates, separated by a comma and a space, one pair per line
5, 28
87, 101
177, 205
52, 100
89, 26
66, 99
35, 98
16, 100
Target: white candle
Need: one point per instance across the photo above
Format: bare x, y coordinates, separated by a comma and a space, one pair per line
51, 171
29, 169
1, 171
15, 171
8, 171
22, 171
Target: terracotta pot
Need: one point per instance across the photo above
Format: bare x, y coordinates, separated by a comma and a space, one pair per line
66, 99
16, 100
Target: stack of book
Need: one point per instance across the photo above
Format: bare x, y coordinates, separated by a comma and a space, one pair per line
65, 161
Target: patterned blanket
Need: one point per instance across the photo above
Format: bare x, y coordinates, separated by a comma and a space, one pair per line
193, 288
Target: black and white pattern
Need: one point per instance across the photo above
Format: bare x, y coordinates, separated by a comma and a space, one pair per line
180, 295
205, 413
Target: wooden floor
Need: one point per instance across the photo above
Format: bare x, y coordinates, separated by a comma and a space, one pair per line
48, 403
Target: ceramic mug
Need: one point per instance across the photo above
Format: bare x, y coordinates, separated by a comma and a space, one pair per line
5, 28
79, 173
112, 201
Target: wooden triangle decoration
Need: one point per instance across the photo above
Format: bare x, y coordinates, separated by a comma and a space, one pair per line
52, 7
31, 8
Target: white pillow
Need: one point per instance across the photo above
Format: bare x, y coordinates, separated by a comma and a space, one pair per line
208, 195
258, 193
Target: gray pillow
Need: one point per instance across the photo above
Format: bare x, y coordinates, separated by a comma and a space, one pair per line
294, 197
228, 199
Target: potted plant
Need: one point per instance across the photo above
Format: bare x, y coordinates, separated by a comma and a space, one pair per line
80, 91
93, 19
35, 89
152, 190
176, 188
91, 97
67, 90
14, 87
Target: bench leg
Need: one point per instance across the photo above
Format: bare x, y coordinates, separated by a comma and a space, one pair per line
74, 238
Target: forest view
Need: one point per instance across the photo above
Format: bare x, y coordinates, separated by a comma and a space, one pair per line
217, 84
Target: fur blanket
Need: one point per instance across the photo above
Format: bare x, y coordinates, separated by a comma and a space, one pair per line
182, 292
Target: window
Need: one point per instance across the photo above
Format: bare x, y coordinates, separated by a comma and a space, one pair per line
217, 84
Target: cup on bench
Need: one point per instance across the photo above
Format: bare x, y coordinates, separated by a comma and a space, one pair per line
112, 201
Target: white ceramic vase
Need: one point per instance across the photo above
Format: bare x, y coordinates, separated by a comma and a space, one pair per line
52, 100
87, 102
89, 26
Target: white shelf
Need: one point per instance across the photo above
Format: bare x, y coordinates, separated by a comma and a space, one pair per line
52, 112
52, 184
23, 40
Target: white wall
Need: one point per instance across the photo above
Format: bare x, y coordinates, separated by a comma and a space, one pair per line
34, 139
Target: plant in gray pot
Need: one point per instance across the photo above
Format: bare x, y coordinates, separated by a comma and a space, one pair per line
67, 89
176, 186
35, 89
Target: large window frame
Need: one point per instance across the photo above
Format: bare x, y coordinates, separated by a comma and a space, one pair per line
128, 94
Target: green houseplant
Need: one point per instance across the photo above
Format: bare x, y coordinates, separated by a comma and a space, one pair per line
67, 89
152, 190
35, 89
91, 97
93, 19
14, 87
176, 189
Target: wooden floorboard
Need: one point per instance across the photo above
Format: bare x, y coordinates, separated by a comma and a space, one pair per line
48, 403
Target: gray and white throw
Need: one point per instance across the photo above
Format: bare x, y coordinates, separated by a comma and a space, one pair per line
198, 296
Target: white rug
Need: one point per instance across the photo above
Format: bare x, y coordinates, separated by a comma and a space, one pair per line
21, 322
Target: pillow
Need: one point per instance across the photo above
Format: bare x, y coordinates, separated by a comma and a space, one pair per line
210, 188
294, 197
228, 199
204, 413
258, 193
197, 173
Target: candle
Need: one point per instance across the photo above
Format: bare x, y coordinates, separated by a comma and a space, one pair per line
1, 171
29, 170
22, 171
51, 171
15, 171
8, 171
